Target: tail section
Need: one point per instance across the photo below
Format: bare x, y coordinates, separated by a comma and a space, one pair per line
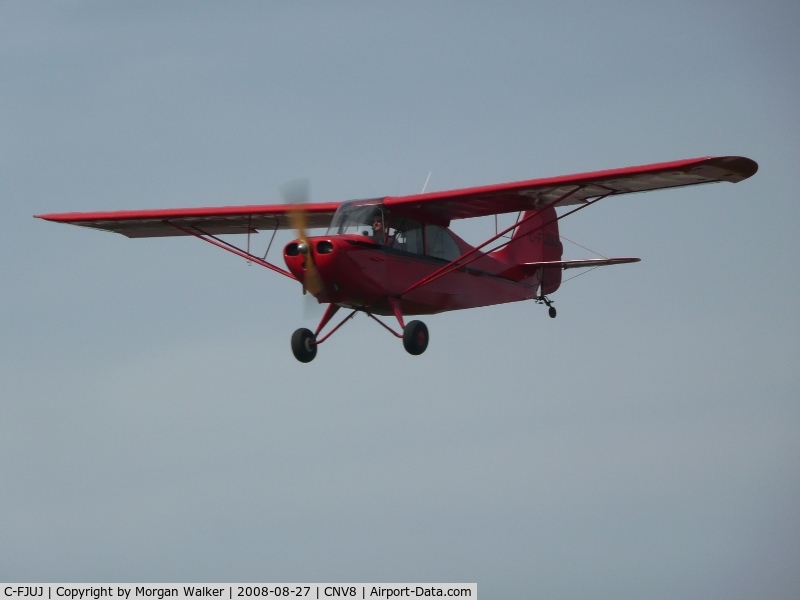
534, 241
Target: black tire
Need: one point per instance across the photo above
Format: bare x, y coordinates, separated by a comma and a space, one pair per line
304, 347
415, 337
552, 312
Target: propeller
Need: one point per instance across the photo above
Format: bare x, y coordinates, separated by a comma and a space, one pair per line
296, 193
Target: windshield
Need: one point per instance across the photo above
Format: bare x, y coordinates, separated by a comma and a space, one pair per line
358, 217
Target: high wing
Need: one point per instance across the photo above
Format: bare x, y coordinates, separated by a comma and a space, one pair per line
442, 207
211, 221
437, 207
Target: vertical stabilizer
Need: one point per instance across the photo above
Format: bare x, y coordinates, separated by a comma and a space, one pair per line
536, 240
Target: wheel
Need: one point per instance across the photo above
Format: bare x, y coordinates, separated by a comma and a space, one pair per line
415, 337
304, 347
552, 312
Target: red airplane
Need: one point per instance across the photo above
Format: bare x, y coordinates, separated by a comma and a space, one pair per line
396, 256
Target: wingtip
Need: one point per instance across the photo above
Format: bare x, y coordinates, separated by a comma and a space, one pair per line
54, 217
739, 167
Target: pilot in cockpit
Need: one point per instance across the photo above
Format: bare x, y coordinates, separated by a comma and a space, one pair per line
378, 233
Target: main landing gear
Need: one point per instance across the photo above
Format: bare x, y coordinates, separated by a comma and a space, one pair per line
304, 346
414, 334
415, 337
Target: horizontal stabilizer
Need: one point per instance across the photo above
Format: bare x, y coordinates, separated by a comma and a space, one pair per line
524, 270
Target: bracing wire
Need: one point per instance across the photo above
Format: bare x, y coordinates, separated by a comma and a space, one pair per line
584, 247
579, 274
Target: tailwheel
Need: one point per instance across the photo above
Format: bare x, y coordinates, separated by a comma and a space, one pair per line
415, 337
551, 310
304, 345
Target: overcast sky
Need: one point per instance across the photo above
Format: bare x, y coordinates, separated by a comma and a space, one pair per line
155, 425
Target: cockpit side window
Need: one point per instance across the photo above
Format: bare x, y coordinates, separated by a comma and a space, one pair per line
405, 235
439, 244
369, 218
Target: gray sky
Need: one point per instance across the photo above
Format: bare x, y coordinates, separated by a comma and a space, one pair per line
155, 425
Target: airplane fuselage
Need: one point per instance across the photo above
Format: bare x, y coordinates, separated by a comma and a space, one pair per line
357, 272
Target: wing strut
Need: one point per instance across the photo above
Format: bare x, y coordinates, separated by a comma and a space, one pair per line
212, 239
457, 263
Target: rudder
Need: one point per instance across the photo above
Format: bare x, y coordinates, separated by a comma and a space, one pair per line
536, 240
